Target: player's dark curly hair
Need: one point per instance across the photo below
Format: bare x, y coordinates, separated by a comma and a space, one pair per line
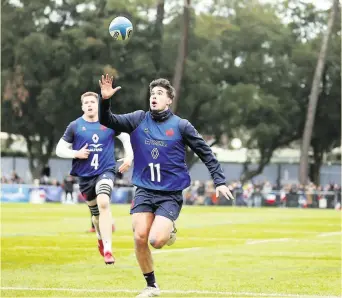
164, 83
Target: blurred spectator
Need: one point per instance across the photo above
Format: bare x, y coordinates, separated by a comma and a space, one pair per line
15, 178
45, 175
257, 196
210, 193
68, 187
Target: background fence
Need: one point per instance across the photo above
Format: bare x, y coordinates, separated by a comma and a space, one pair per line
24, 193
288, 172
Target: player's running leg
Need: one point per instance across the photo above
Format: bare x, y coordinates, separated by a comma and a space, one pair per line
92, 228
95, 219
142, 223
163, 230
173, 236
104, 187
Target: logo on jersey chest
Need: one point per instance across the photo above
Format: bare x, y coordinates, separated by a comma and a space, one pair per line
155, 143
95, 147
95, 138
155, 153
170, 132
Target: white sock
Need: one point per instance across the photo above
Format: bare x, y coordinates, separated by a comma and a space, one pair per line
107, 245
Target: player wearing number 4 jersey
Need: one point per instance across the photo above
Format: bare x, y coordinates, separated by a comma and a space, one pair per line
160, 173
91, 146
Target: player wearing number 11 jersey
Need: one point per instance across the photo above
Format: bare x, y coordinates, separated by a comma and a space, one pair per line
160, 173
91, 146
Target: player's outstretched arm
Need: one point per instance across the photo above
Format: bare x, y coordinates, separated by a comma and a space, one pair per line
195, 141
125, 122
127, 160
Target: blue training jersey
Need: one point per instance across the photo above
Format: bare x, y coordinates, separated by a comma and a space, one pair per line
159, 155
100, 142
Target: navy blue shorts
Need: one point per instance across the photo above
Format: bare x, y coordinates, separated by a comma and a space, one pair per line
88, 184
164, 203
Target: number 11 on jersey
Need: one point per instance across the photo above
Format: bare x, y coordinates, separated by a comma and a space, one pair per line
157, 166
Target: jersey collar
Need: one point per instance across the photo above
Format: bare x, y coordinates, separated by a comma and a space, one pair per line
161, 116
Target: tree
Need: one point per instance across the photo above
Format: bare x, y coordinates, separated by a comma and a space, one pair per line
247, 71
32, 61
326, 133
156, 47
182, 54
53, 63
314, 95
228, 75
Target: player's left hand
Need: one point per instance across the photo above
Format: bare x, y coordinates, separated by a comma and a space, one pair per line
127, 162
224, 190
106, 85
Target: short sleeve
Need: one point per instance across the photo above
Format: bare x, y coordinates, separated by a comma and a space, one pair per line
69, 133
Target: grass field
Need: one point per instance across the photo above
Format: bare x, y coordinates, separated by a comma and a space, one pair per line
220, 252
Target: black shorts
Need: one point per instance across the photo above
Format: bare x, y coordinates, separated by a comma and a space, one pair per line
164, 203
88, 184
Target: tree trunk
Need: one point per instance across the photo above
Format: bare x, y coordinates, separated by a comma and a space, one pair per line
157, 45
316, 166
101, 8
158, 34
182, 54
310, 117
248, 174
38, 160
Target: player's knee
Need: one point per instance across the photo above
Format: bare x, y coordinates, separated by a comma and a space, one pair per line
157, 242
103, 191
103, 203
140, 238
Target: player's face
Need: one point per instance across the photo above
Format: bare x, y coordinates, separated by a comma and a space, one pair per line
159, 100
90, 106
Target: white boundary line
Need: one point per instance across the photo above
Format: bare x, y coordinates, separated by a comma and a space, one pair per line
329, 234
268, 240
166, 291
165, 251
156, 252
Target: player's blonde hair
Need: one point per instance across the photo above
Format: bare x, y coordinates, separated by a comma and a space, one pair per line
89, 93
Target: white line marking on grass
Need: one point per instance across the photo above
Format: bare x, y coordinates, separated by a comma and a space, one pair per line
47, 248
211, 238
28, 235
175, 250
329, 234
165, 251
166, 291
267, 240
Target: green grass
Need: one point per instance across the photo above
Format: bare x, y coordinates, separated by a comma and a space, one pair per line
237, 251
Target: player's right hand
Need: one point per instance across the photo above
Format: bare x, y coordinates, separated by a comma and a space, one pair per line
83, 153
106, 85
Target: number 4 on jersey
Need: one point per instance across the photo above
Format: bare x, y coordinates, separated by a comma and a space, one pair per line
95, 161
157, 166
